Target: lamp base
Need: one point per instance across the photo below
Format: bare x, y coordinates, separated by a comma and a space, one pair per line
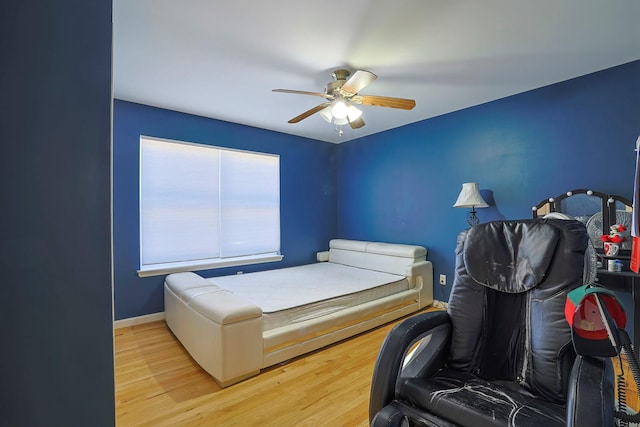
472, 218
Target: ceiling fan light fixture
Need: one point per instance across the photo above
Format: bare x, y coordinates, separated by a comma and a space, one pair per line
353, 113
326, 114
340, 122
340, 109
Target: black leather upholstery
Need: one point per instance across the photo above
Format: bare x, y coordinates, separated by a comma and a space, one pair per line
502, 354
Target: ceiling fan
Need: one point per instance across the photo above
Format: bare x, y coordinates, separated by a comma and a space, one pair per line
341, 95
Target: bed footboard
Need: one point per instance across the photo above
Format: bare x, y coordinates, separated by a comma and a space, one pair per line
222, 332
420, 275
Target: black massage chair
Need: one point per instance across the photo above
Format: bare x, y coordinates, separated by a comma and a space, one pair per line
502, 353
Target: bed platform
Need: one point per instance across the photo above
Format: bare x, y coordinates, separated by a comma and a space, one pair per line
234, 326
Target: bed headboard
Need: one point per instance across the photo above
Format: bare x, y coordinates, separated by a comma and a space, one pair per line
388, 257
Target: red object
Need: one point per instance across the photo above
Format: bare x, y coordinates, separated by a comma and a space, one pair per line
635, 255
605, 238
595, 315
616, 239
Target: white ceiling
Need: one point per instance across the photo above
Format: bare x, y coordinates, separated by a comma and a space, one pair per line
221, 59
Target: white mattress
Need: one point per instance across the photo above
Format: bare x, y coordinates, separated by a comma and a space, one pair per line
290, 295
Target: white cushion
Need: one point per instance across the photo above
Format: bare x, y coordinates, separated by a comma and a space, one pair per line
211, 301
386, 257
181, 282
350, 245
399, 250
225, 307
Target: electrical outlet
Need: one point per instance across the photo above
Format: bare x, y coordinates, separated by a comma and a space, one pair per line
443, 279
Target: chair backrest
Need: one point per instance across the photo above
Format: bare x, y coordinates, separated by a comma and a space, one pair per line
507, 302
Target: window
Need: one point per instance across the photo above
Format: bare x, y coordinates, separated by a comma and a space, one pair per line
205, 207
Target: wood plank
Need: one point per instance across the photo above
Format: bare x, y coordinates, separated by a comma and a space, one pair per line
159, 384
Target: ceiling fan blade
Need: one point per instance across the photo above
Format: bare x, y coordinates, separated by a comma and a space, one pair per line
358, 81
357, 123
309, 112
384, 101
304, 92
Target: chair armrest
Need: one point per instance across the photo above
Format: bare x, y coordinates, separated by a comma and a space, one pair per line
416, 347
590, 398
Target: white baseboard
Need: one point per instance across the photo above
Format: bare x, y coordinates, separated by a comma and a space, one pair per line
132, 321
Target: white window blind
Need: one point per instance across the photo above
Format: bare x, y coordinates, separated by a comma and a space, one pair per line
205, 207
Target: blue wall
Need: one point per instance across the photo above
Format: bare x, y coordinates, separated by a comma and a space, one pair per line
400, 185
57, 327
307, 194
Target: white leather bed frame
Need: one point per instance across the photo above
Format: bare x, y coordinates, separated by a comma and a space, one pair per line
224, 333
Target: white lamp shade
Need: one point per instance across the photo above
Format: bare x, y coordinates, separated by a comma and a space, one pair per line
470, 197
326, 114
353, 113
340, 113
339, 110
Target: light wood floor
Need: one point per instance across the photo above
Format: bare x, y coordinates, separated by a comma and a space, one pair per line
158, 384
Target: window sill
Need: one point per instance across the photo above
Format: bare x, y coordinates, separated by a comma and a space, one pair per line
176, 267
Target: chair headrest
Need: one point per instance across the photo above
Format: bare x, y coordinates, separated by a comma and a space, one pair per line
510, 256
